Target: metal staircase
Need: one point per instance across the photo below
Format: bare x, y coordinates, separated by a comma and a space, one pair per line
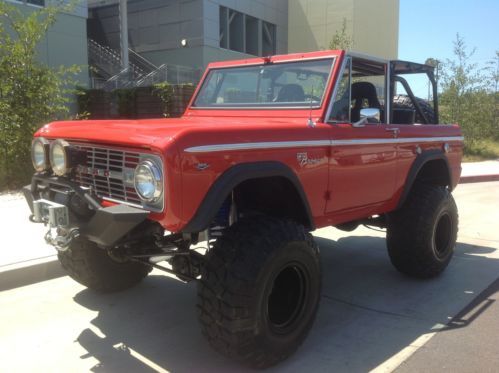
108, 74
106, 66
173, 74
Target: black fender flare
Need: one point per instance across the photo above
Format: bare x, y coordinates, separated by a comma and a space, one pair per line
417, 165
232, 177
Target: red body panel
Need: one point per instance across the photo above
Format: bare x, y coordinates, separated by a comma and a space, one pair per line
343, 179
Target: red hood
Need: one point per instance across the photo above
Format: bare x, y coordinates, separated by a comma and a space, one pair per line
146, 133
150, 133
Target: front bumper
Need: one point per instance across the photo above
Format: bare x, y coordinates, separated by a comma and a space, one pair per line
85, 216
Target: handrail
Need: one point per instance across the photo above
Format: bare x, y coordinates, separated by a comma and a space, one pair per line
139, 72
142, 60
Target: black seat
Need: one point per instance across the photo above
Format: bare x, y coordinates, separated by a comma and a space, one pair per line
291, 93
363, 91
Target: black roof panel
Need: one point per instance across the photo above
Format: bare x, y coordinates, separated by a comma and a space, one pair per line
405, 67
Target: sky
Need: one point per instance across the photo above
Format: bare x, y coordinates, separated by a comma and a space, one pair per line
428, 27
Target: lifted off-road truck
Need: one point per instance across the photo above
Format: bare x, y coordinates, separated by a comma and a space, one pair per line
268, 150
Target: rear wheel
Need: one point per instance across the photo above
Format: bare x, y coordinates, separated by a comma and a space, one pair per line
92, 267
260, 290
422, 234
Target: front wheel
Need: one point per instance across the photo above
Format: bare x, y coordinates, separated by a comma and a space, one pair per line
260, 290
92, 267
422, 234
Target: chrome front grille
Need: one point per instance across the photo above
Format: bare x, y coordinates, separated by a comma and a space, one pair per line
108, 172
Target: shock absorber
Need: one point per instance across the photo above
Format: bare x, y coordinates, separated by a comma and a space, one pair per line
221, 220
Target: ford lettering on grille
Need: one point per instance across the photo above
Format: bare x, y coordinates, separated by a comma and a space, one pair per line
109, 173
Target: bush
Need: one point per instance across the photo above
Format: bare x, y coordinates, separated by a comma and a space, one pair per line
165, 92
31, 94
162, 99
126, 103
469, 97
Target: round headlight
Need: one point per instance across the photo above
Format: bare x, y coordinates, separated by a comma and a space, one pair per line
59, 151
39, 154
148, 181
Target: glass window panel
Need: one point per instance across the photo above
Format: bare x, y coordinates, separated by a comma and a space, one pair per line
296, 84
236, 31
224, 37
251, 35
341, 107
268, 39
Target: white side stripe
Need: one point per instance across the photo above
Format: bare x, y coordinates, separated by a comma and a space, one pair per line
257, 145
314, 143
395, 140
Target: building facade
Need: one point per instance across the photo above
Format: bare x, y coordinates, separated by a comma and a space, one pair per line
212, 30
373, 25
66, 41
193, 33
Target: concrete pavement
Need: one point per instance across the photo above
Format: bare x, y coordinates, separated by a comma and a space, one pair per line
38, 261
475, 172
469, 343
25, 258
371, 317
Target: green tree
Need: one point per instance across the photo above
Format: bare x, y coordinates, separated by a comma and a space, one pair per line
341, 38
31, 94
493, 83
466, 97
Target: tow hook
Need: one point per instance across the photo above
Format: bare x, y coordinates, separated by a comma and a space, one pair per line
56, 216
62, 239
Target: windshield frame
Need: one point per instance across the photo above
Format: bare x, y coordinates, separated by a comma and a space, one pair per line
307, 105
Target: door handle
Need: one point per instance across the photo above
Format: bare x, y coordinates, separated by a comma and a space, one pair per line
394, 131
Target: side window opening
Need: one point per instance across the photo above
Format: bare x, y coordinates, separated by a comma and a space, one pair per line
340, 111
413, 93
408, 106
403, 110
362, 85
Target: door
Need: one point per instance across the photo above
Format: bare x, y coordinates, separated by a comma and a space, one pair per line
362, 165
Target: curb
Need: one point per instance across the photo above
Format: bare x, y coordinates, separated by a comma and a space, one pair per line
30, 272
478, 178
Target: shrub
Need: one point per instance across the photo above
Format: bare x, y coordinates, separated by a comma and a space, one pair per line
31, 94
469, 96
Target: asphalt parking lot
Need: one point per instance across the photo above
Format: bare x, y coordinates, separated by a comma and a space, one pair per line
371, 317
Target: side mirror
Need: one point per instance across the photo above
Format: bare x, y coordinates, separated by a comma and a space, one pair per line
373, 115
368, 115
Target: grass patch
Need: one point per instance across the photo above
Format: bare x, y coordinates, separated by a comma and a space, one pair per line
482, 151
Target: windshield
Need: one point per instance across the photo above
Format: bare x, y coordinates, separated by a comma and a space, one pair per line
289, 84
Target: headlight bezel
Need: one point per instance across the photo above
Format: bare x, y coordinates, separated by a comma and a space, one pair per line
46, 149
156, 174
65, 168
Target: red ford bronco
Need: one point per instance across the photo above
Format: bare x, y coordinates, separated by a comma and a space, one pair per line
268, 150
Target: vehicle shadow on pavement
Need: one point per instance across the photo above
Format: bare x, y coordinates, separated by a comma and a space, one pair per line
369, 313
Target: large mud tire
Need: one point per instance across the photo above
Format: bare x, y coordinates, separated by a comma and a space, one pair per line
422, 234
259, 291
92, 267
404, 102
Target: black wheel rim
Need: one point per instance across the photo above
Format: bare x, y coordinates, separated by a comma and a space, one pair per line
442, 235
287, 298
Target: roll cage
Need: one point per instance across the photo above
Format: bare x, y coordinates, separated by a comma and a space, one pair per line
396, 68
